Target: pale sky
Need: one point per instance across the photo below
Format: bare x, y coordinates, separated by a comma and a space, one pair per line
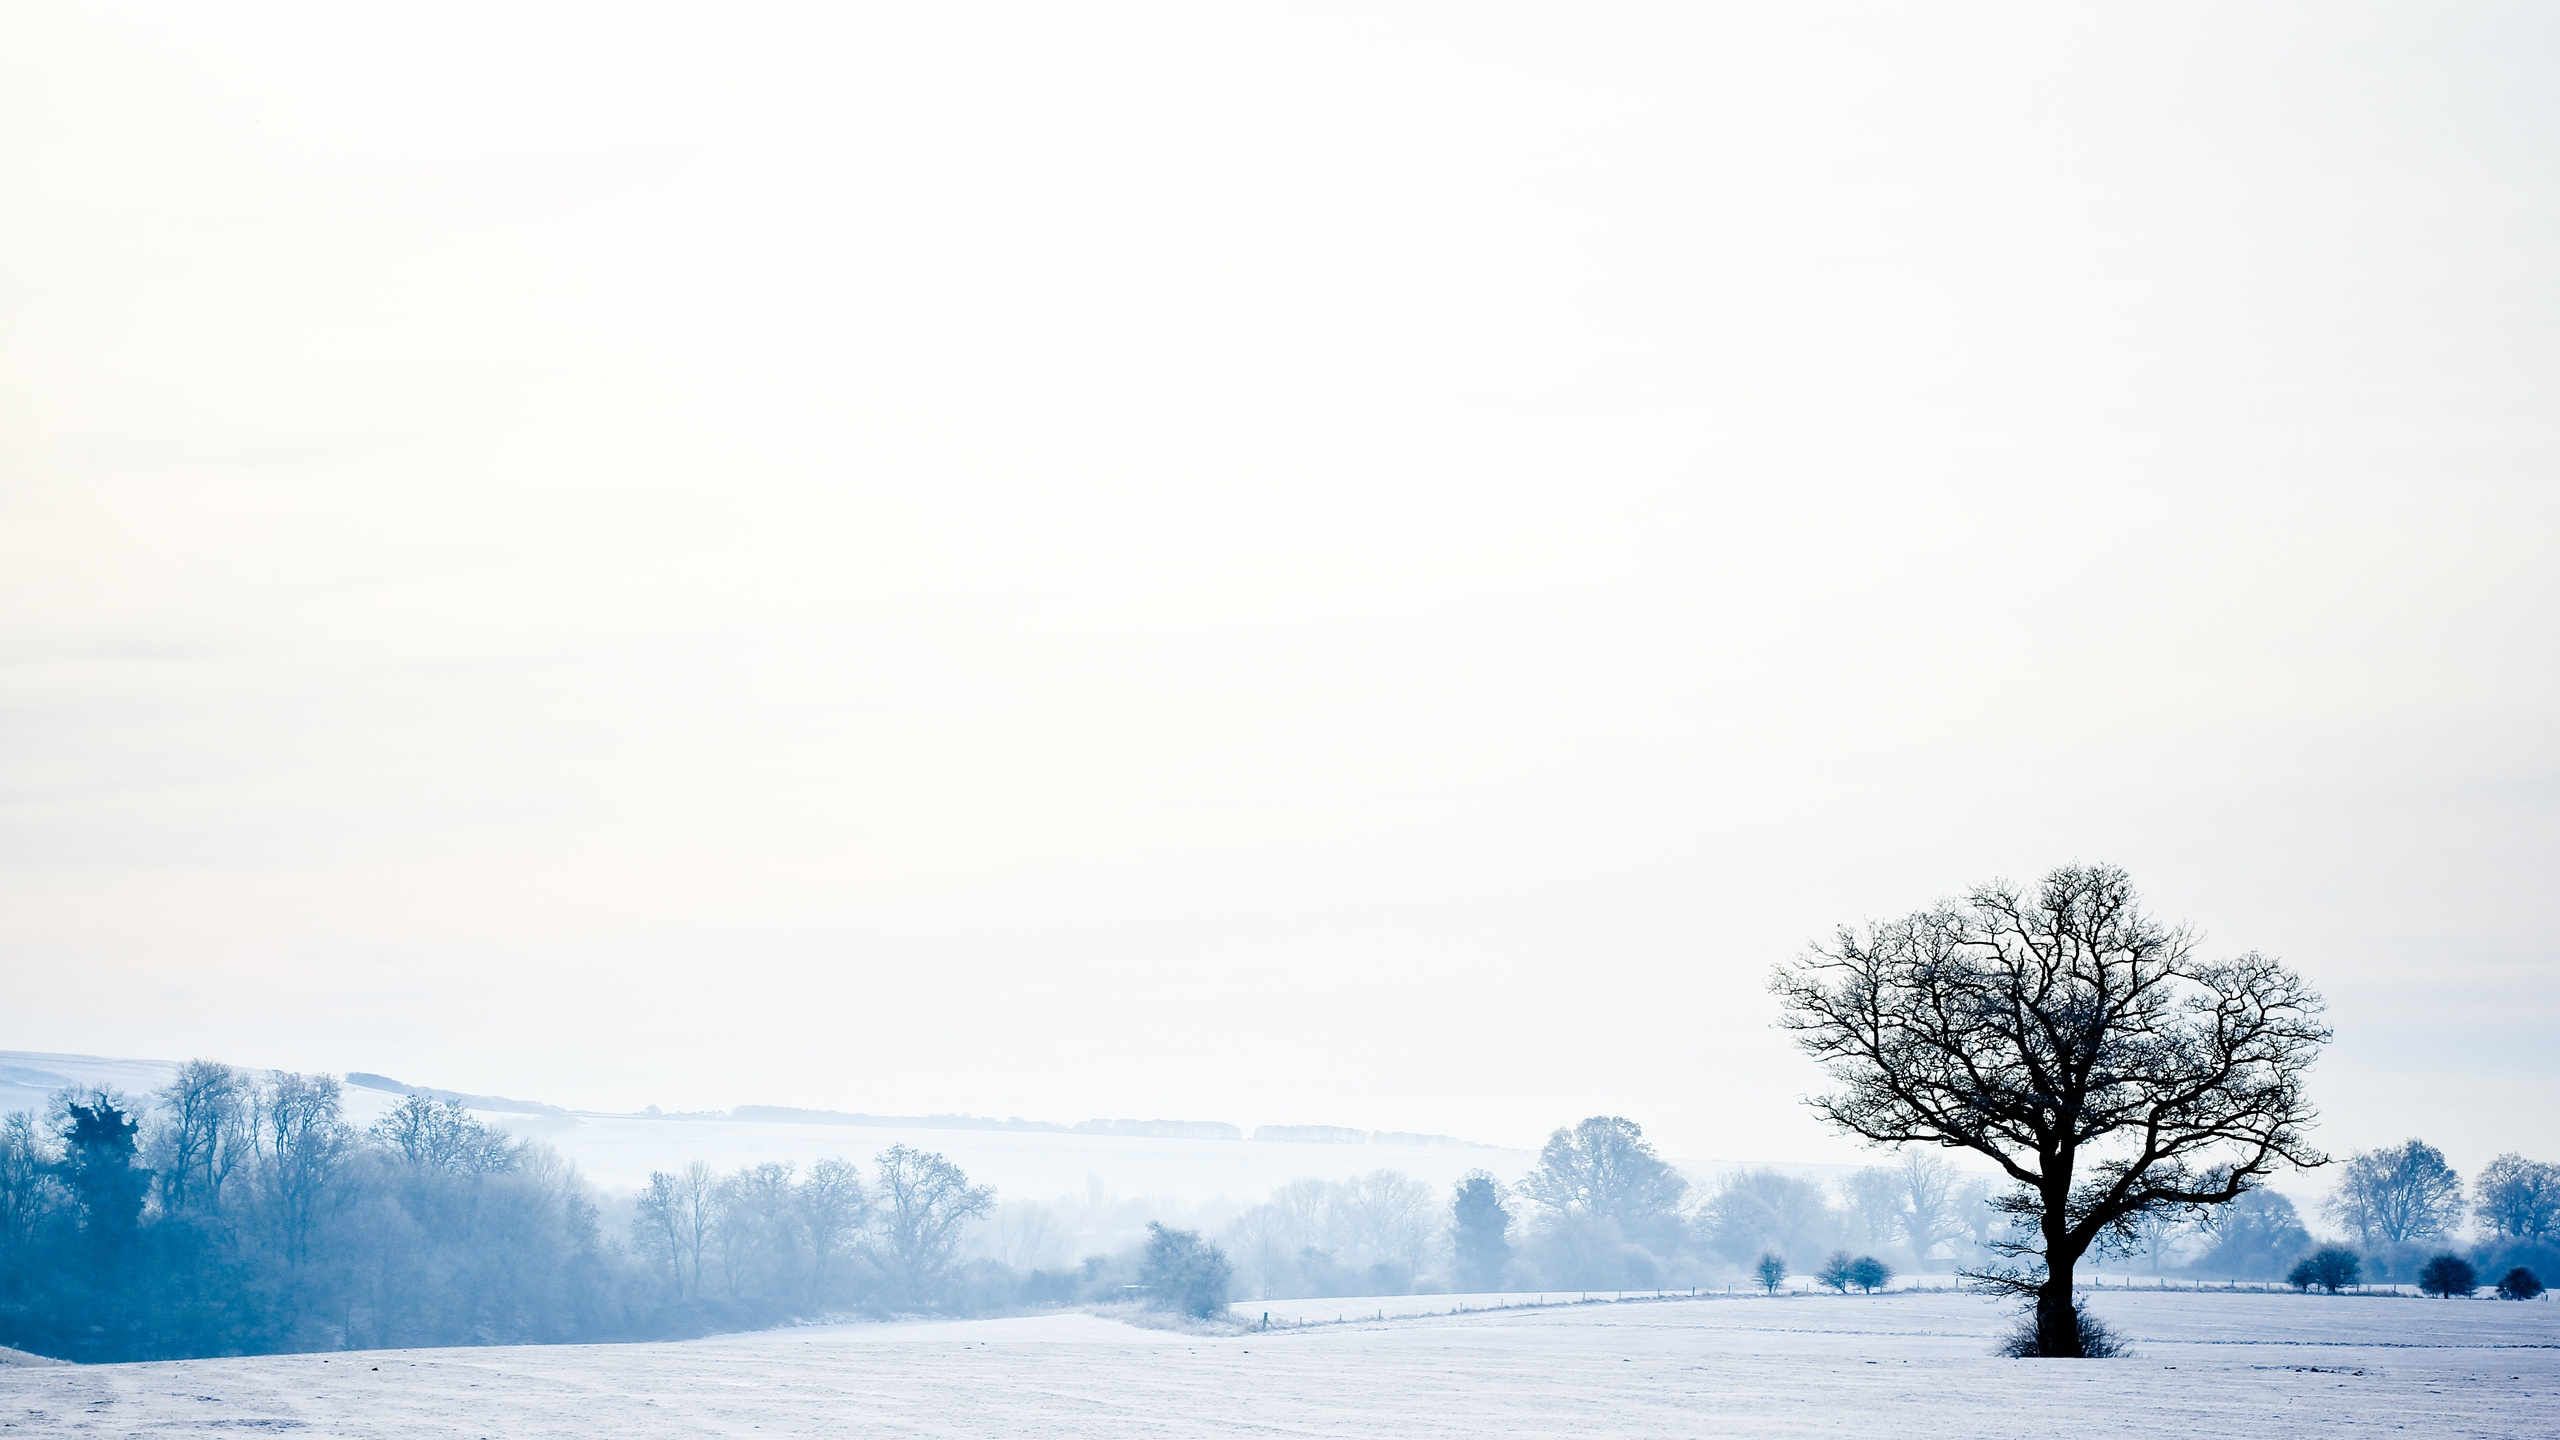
1366, 565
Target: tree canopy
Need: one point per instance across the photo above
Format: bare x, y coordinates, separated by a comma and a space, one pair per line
2083, 1047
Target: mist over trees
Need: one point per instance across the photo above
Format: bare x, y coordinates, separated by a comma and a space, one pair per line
2253, 1238
2393, 1196
1479, 1233
2519, 1199
234, 1212
237, 1212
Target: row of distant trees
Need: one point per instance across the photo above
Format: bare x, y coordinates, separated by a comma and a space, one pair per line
235, 1212
2400, 1206
1601, 1210
238, 1213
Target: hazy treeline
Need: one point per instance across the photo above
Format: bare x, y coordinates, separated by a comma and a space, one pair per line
240, 1213
2400, 1207
234, 1213
1600, 1211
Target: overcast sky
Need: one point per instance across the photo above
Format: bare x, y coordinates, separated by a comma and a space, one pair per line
1369, 565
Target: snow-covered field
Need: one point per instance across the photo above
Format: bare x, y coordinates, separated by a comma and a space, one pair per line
1906, 1365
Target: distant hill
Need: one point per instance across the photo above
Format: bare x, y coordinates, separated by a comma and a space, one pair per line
498, 1104
1350, 1135
794, 1115
1162, 1129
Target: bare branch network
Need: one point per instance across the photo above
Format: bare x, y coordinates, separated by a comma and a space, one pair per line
2078, 1044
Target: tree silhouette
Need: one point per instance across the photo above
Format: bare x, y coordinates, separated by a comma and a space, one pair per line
2080, 1045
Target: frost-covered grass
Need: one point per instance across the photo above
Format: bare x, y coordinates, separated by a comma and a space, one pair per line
1907, 1365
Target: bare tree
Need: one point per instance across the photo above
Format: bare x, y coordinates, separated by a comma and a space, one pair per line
2154, 1231
1873, 1197
2401, 1193
301, 1141
1264, 1239
29, 1192
1385, 1217
834, 1206
1604, 1167
758, 1231
1912, 1201
924, 1202
2519, 1198
1767, 1209
441, 1135
658, 1230
201, 1135
1771, 1271
1931, 1202
2076, 1043
697, 1215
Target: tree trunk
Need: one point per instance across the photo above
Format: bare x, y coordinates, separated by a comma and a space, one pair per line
2057, 1319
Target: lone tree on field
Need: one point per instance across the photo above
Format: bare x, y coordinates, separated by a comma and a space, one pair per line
1870, 1274
2080, 1045
1772, 1272
1838, 1271
2332, 1269
2447, 1276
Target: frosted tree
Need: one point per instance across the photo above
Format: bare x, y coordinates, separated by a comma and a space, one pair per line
2397, 1194
2518, 1198
924, 1202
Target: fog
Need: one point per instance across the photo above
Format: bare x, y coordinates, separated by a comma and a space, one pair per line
1295, 566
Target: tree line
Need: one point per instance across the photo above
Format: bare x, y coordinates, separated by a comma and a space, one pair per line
1602, 1210
241, 1213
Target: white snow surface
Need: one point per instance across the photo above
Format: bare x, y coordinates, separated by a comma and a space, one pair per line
1908, 1365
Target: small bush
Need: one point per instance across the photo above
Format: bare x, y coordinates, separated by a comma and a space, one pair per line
2333, 1270
2519, 1284
2097, 1342
2447, 1276
1183, 1272
1870, 1274
1771, 1272
1836, 1271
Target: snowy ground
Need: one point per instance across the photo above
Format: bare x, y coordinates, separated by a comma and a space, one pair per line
1909, 1365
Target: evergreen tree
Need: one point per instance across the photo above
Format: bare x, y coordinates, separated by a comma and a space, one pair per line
1480, 1233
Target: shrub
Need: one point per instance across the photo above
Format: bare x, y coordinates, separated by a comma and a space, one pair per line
2097, 1342
2519, 1284
2447, 1276
1770, 1271
2332, 1269
1870, 1274
1184, 1272
1836, 1271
